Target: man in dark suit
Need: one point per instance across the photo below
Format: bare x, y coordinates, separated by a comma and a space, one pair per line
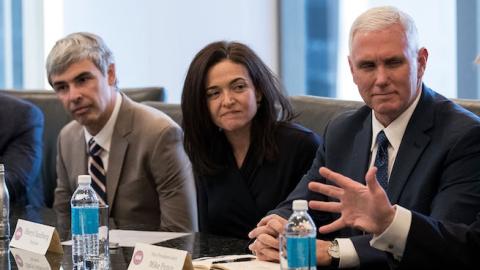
133, 152
21, 148
426, 243
426, 147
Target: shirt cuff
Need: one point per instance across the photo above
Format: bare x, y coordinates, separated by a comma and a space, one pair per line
348, 254
394, 238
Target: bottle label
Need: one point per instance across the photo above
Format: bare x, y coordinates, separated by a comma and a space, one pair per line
301, 252
5, 213
85, 220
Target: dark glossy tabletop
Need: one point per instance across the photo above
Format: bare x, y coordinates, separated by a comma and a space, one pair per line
197, 244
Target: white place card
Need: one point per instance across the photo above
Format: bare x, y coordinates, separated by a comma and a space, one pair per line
149, 257
35, 237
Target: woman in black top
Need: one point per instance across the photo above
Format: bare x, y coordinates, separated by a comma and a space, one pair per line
246, 155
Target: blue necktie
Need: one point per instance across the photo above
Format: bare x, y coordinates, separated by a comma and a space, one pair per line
381, 160
97, 171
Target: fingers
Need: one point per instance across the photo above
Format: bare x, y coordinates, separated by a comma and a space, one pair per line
328, 190
264, 257
271, 225
332, 207
334, 226
336, 178
268, 241
265, 247
270, 254
261, 230
266, 219
371, 179
277, 224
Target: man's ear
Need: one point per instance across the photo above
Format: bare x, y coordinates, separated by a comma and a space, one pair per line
422, 57
112, 75
350, 64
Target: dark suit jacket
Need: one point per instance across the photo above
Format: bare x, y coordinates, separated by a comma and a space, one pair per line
436, 171
432, 244
149, 176
21, 148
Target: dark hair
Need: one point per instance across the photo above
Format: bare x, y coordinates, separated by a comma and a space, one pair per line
202, 138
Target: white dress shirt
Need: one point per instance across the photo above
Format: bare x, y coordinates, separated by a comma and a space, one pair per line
394, 132
104, 136
394, 238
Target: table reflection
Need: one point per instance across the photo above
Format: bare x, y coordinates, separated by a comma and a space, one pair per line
197, 244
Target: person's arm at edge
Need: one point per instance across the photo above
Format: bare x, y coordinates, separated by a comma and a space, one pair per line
22, 156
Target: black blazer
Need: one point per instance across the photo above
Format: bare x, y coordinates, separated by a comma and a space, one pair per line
232, 202
436, 171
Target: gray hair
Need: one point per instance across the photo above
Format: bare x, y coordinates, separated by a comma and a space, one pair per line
379, 18
77, 47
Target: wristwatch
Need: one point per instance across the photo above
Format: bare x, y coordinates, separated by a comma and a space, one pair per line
334, 252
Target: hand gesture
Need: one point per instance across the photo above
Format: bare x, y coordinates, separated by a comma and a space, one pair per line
362, 207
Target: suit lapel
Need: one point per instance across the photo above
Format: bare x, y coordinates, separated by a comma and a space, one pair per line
414, 142
80, 166
361, 150
118, 148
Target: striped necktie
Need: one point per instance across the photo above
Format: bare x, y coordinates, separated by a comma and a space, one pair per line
381, 160
97, 171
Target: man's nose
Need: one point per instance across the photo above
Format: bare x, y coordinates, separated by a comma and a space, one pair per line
74, 94
382, 76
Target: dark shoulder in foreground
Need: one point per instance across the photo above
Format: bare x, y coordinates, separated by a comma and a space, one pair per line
16, 108
449, 111
352, 120
9, 102
287, 132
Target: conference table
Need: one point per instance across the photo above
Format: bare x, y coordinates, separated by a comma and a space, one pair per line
197, 244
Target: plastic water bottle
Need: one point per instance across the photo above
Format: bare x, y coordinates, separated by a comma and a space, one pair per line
84, 204
297, 245
5, 254
5, 206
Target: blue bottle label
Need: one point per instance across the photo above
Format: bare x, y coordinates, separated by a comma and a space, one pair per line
85, 220
301, 252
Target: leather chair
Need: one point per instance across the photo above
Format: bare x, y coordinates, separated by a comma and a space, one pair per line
472, 105
312, 112
55, 118
172, 110
315, 112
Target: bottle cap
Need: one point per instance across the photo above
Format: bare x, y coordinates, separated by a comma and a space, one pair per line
299, 205
2, 168
84, 179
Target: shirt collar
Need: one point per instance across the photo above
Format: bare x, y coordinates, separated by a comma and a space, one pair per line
104, 137
397, 127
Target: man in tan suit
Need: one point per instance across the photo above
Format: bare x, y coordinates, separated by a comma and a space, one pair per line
134, 153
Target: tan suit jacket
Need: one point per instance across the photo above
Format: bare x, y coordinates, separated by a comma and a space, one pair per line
149, 177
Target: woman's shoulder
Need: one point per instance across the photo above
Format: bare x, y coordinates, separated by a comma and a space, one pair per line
289, 132
291, 128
